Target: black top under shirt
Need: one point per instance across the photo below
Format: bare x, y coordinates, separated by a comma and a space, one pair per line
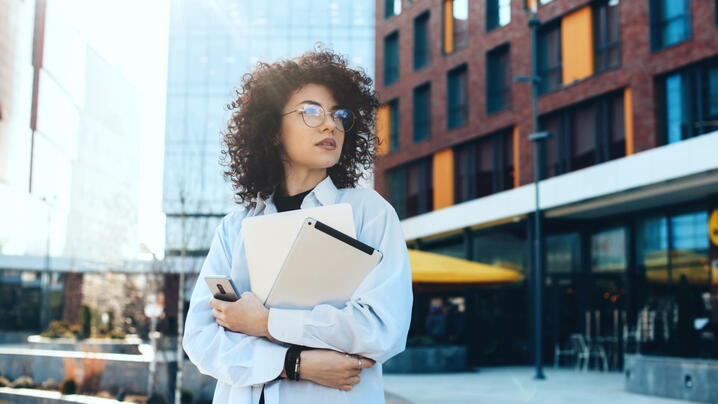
283, 204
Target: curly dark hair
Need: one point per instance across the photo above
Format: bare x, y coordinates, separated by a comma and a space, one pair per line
251, 151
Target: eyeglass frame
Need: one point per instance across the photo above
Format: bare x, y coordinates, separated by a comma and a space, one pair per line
325, 116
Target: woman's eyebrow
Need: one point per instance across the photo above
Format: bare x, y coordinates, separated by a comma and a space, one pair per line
316, 103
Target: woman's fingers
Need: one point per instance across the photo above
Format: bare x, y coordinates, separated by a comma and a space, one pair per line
367, 363
218, 314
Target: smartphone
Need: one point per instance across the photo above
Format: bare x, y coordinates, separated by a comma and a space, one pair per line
222, 287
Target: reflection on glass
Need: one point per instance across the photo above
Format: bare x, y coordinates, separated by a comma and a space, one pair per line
563, 253
689, 256
608, 250
501, 249
652, 244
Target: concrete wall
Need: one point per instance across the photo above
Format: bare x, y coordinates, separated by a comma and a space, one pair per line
681, 378
115, 371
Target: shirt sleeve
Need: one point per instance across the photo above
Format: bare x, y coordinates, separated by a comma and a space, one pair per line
228, 356
375, 322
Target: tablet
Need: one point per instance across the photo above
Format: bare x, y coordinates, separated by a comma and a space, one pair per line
268, 239
324, 266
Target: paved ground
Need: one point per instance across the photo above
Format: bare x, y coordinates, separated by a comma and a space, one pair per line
514, 385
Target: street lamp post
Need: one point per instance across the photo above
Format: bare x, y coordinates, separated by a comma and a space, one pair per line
536, 138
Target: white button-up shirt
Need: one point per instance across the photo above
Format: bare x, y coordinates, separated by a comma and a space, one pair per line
374, 323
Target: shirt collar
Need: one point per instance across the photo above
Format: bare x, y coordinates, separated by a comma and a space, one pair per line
325, 192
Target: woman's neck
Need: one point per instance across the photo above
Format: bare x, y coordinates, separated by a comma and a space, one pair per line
297, 181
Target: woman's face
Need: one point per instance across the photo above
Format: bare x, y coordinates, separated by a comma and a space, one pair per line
305, 147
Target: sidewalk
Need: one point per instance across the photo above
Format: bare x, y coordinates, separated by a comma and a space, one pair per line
510, 385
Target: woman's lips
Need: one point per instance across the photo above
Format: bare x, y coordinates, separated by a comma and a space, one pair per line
327, 144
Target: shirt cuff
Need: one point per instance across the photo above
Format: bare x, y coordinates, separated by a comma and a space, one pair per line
274, 355
286, 325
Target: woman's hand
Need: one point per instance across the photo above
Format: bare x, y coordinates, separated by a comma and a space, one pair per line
331, 368
246, 315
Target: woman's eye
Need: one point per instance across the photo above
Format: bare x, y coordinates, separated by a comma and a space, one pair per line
342, 113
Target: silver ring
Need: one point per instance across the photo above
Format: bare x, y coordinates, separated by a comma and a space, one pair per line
360, 364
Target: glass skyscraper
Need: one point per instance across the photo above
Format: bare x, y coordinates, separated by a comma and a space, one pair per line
212, 45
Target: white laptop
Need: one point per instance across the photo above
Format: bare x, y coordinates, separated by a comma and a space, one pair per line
268, 239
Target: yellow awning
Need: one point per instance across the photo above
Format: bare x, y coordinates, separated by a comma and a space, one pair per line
436, 268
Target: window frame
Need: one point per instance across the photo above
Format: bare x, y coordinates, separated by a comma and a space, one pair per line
422, 53
545, 71
601, 46
657, 24
388, 78
423, 89
504, 51
461, 109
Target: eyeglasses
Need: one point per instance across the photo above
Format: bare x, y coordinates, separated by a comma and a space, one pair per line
314, 116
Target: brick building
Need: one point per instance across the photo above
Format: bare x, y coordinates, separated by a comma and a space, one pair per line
629, 91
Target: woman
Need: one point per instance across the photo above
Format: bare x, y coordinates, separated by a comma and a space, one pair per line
301, 136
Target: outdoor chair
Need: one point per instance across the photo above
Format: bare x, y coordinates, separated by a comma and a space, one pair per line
587, 351
569, 351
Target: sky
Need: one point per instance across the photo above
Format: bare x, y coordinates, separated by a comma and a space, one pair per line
133, 36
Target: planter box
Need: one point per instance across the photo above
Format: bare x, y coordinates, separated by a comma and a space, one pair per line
682, 378
121, 346
431, 359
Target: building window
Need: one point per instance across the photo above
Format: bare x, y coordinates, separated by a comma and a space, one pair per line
421, 41
458, 97
391, 58
411, 188
670, 22
670, 247
393, 124
397, 190
498, 13
689, 102
456, 25
498, 79
608, 251
422, 112
392, 8
606, 36
549, 57
584, 135
484, 166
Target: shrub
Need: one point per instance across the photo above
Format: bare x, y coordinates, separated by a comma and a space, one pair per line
24, 382
49, 384
68, 386
117, 334
60, 329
